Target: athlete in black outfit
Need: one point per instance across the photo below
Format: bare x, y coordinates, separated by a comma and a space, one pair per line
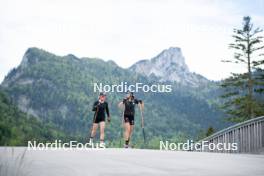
100, 107
129, 104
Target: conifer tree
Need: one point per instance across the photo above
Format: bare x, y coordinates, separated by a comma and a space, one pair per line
241, 100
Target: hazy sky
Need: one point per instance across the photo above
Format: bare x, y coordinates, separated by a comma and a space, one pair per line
126, 30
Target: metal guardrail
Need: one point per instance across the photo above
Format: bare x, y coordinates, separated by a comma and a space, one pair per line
247, 135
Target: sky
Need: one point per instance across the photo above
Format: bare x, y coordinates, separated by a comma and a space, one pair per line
126, 31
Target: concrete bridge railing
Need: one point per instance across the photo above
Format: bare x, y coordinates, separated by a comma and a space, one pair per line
247, 135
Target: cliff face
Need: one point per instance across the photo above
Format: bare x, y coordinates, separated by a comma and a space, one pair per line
169, 65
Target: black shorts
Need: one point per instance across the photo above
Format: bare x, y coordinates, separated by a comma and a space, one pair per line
99, 119
129, 119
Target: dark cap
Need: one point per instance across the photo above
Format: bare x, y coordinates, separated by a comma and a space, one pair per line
129, 93
102, 94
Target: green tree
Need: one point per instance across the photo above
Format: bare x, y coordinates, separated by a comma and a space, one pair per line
210, 131
240, 89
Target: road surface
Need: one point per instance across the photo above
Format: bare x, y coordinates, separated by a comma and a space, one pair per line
127, 162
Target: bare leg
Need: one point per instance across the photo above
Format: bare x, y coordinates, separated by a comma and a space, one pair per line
102, 128
127, 131
131, 131
94, 129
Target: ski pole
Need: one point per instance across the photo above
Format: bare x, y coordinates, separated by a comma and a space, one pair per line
94, 119
122, 122
142, 123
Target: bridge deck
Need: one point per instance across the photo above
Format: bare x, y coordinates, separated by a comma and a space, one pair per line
127, 162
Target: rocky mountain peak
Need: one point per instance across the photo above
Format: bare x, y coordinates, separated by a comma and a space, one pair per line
32, 56
169, 65
171, 57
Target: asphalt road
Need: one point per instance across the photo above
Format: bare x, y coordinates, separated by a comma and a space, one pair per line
126, 162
